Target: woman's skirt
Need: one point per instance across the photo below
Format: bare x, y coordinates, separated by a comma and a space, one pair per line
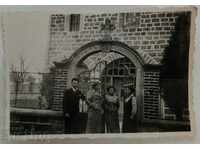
94, 123
112, 122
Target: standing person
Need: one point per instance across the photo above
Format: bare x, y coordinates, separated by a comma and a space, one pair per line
111, 107
71, 100
130, 109
95, 110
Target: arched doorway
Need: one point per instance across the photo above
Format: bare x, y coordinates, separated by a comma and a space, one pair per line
76, 67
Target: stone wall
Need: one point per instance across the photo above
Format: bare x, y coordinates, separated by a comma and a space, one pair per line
147, 32
60, 84
151, 104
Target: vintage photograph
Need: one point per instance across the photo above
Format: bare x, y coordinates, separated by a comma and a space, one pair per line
98, 73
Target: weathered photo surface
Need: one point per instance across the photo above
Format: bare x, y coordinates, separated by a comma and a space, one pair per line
88, 73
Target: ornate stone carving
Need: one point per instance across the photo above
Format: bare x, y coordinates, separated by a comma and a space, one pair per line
106, 29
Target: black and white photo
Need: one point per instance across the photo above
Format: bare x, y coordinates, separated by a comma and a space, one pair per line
98, 73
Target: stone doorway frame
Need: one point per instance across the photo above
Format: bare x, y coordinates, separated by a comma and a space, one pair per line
117, 47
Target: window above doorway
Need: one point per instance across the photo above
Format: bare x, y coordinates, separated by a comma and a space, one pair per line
74, 22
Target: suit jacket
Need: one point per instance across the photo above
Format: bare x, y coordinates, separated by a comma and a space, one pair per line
71, 101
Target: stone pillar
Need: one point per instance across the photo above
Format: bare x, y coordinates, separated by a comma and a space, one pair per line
151, 104
139, 94
60, 84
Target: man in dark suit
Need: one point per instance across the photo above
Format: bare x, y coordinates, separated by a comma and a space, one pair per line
71, 107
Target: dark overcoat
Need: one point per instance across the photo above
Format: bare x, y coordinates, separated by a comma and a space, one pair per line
71, 106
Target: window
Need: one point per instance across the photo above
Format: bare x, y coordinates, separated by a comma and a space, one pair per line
74, 22
129, 19
57, 22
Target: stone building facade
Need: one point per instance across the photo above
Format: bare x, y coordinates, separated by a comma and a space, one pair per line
147, 33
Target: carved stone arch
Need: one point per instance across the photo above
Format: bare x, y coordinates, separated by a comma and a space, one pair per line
117, 47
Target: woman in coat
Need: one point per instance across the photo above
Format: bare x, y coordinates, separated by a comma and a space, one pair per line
95, 110
111, 107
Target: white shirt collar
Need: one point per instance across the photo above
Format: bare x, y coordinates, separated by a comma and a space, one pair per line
74, 89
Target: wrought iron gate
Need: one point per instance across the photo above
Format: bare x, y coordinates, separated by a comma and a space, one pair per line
119, 72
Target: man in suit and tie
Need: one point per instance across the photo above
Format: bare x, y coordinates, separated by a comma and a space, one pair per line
71, 100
